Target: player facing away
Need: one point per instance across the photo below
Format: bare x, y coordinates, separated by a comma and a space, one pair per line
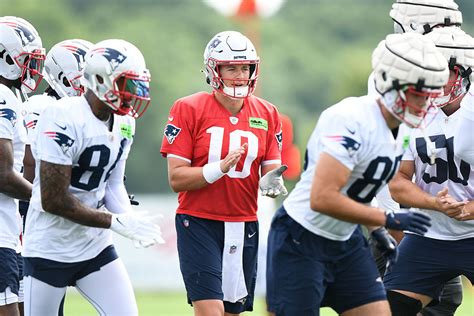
21, 57
317, 255
217, 145
440, 189
419, 16
80, 150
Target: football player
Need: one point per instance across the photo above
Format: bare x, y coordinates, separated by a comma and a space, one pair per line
21, 57
317, 253
427, 262
81, 147
419, 16
217, 145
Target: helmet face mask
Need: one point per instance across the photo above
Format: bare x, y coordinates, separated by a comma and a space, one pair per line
456, 88
21, 53
231, 49
116, 73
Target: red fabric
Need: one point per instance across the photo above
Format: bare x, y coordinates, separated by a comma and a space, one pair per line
198, 117
290, 154
247, 7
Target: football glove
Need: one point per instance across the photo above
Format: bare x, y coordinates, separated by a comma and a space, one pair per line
272, 184
415, 222
139, 227
384, 249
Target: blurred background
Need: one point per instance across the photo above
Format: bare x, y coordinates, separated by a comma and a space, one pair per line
313, 53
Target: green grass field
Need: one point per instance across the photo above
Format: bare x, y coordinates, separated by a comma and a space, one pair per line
174, 304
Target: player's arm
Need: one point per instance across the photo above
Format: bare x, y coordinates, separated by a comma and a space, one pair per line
329, 178
28, 165
406, 192
117, 200
56, 198
11, 182
183, 177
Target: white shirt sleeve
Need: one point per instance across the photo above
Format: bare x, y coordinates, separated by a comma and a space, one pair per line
116, 196
464, 134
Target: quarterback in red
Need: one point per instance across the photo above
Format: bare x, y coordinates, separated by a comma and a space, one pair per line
217, 146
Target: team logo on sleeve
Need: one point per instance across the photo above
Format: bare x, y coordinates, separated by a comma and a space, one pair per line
279, 139
8, 114
350, 144
171, 132
64, 141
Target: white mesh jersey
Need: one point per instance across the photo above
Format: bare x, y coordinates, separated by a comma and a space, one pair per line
356, 134
34, 106
449, 171
68, 133
11, 128
464, 146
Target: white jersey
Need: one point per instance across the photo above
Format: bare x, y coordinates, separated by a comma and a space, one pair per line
448, 171
464, 146
356, 134
34, 106
68, 133
11, 127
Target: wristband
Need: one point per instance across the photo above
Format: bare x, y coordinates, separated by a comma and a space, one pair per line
212, 172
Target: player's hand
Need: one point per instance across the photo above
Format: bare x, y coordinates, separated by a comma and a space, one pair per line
271, 184
446, 204
139, 227
384, 249
405, 220
233, 158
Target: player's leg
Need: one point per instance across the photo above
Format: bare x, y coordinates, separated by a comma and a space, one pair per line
295, 276
450, 300
357, 287
9, 282
21, 293
421, 271
109, 290
42, 298
200, 242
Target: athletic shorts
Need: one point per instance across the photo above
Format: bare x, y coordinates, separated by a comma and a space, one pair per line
306, 271
200, 248
60, 274
10, 270
424, 264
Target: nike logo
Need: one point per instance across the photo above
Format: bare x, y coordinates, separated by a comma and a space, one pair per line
61, 127
350, 130
170, 118
251, 235
3, 102
119, 221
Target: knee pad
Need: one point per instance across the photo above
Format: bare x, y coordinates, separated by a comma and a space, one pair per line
402, 305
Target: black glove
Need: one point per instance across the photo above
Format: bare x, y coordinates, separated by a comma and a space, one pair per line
384, 249
415, 222
131, 197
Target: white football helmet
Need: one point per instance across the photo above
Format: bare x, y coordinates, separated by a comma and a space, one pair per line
458, 49
64, 66
408, 62
230, 48
422, 16
21, 53
115, 71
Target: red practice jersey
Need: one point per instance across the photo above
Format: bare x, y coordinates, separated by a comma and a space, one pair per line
201, 130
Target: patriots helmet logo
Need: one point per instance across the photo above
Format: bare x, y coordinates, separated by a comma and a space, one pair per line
23, 32
64, 141
114, 57
171, 132
78, 53
279, 139
349, 143
8, 114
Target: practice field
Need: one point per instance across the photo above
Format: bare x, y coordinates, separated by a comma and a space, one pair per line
174, 304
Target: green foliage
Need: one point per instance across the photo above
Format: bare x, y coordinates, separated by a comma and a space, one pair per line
314, 53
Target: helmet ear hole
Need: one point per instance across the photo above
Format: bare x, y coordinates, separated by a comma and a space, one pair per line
9, 60
99, 79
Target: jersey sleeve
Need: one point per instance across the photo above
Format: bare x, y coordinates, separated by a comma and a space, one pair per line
8, 120
341, 137
463, 135
178, 136
30, 120
409, 152
127, 131
274, 140
56, 140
